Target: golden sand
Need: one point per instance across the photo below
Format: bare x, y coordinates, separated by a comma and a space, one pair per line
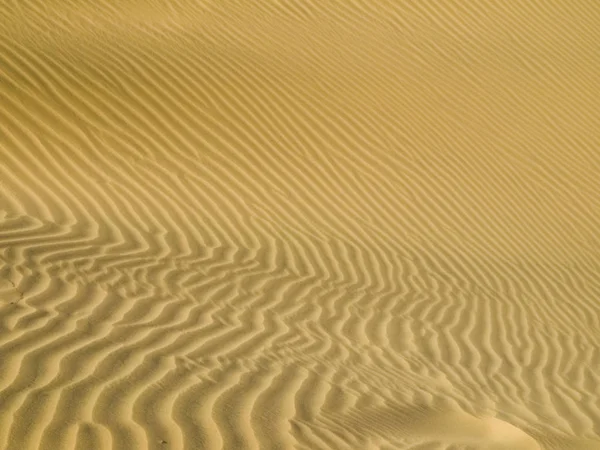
299, 225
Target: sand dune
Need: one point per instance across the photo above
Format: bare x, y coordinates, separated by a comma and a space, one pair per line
336, 225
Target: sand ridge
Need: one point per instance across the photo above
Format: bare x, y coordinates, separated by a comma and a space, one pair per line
299, 225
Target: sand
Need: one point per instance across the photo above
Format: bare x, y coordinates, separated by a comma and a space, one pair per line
299, 225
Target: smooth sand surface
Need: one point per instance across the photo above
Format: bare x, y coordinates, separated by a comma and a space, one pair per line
299, 225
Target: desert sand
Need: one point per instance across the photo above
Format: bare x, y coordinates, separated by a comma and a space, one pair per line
299, 225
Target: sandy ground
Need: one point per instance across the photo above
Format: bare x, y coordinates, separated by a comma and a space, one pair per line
299, 225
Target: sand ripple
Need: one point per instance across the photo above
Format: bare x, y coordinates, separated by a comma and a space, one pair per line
338, 225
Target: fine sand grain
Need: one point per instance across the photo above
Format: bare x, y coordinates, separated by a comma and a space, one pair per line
299, 225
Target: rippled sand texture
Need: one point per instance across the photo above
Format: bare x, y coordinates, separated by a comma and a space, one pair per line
299, 225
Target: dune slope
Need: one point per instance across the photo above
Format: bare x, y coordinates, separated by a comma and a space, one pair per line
312, 225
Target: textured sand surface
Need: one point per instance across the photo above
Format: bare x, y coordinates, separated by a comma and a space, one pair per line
299, 225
